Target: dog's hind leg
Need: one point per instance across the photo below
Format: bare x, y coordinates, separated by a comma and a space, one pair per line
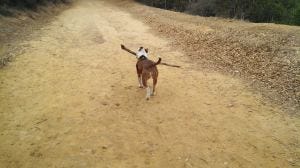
139, 74
154, 77
148, 90
148, 93
154, 86
140, 81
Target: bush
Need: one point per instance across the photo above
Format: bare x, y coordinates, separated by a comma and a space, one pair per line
4, 11
203, 8
297, 17
28, 4
278, 11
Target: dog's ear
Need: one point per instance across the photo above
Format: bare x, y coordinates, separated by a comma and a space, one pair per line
146, 50
141, 48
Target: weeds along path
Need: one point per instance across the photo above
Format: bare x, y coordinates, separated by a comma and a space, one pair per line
71, 100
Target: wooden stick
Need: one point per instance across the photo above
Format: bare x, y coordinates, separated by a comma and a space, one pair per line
133, 53
128, 50
176, 66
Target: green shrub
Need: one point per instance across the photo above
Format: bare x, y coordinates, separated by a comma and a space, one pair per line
297, 17
278, 11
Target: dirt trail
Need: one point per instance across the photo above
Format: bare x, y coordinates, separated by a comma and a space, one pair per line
71, 100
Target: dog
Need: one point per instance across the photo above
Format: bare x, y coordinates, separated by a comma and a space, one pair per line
145, 69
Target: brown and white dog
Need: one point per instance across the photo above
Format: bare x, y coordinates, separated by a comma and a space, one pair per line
146, 69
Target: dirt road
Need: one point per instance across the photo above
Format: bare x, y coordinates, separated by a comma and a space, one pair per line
72, 100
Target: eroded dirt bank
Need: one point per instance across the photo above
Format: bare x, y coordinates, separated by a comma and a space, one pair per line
22, 25
71, 100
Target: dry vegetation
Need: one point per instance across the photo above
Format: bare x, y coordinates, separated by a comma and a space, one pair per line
266, 55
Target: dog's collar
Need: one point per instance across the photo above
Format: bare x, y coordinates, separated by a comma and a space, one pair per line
142, 58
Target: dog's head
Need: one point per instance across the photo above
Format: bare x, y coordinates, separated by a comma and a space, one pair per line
142, 52
142, 48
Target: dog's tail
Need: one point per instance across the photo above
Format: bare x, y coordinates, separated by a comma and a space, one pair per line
158, 62
153, 65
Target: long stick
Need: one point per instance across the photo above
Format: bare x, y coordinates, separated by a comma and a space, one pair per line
128, 50
175, 66
133, 53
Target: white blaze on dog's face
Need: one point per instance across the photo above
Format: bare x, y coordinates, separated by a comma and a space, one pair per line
141, 52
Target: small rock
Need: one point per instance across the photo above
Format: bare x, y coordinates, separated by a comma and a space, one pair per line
104, 103
230, 105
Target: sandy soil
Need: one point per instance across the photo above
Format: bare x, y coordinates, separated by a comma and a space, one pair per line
72, 100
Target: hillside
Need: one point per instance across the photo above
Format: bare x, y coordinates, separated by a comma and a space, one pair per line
266, 55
